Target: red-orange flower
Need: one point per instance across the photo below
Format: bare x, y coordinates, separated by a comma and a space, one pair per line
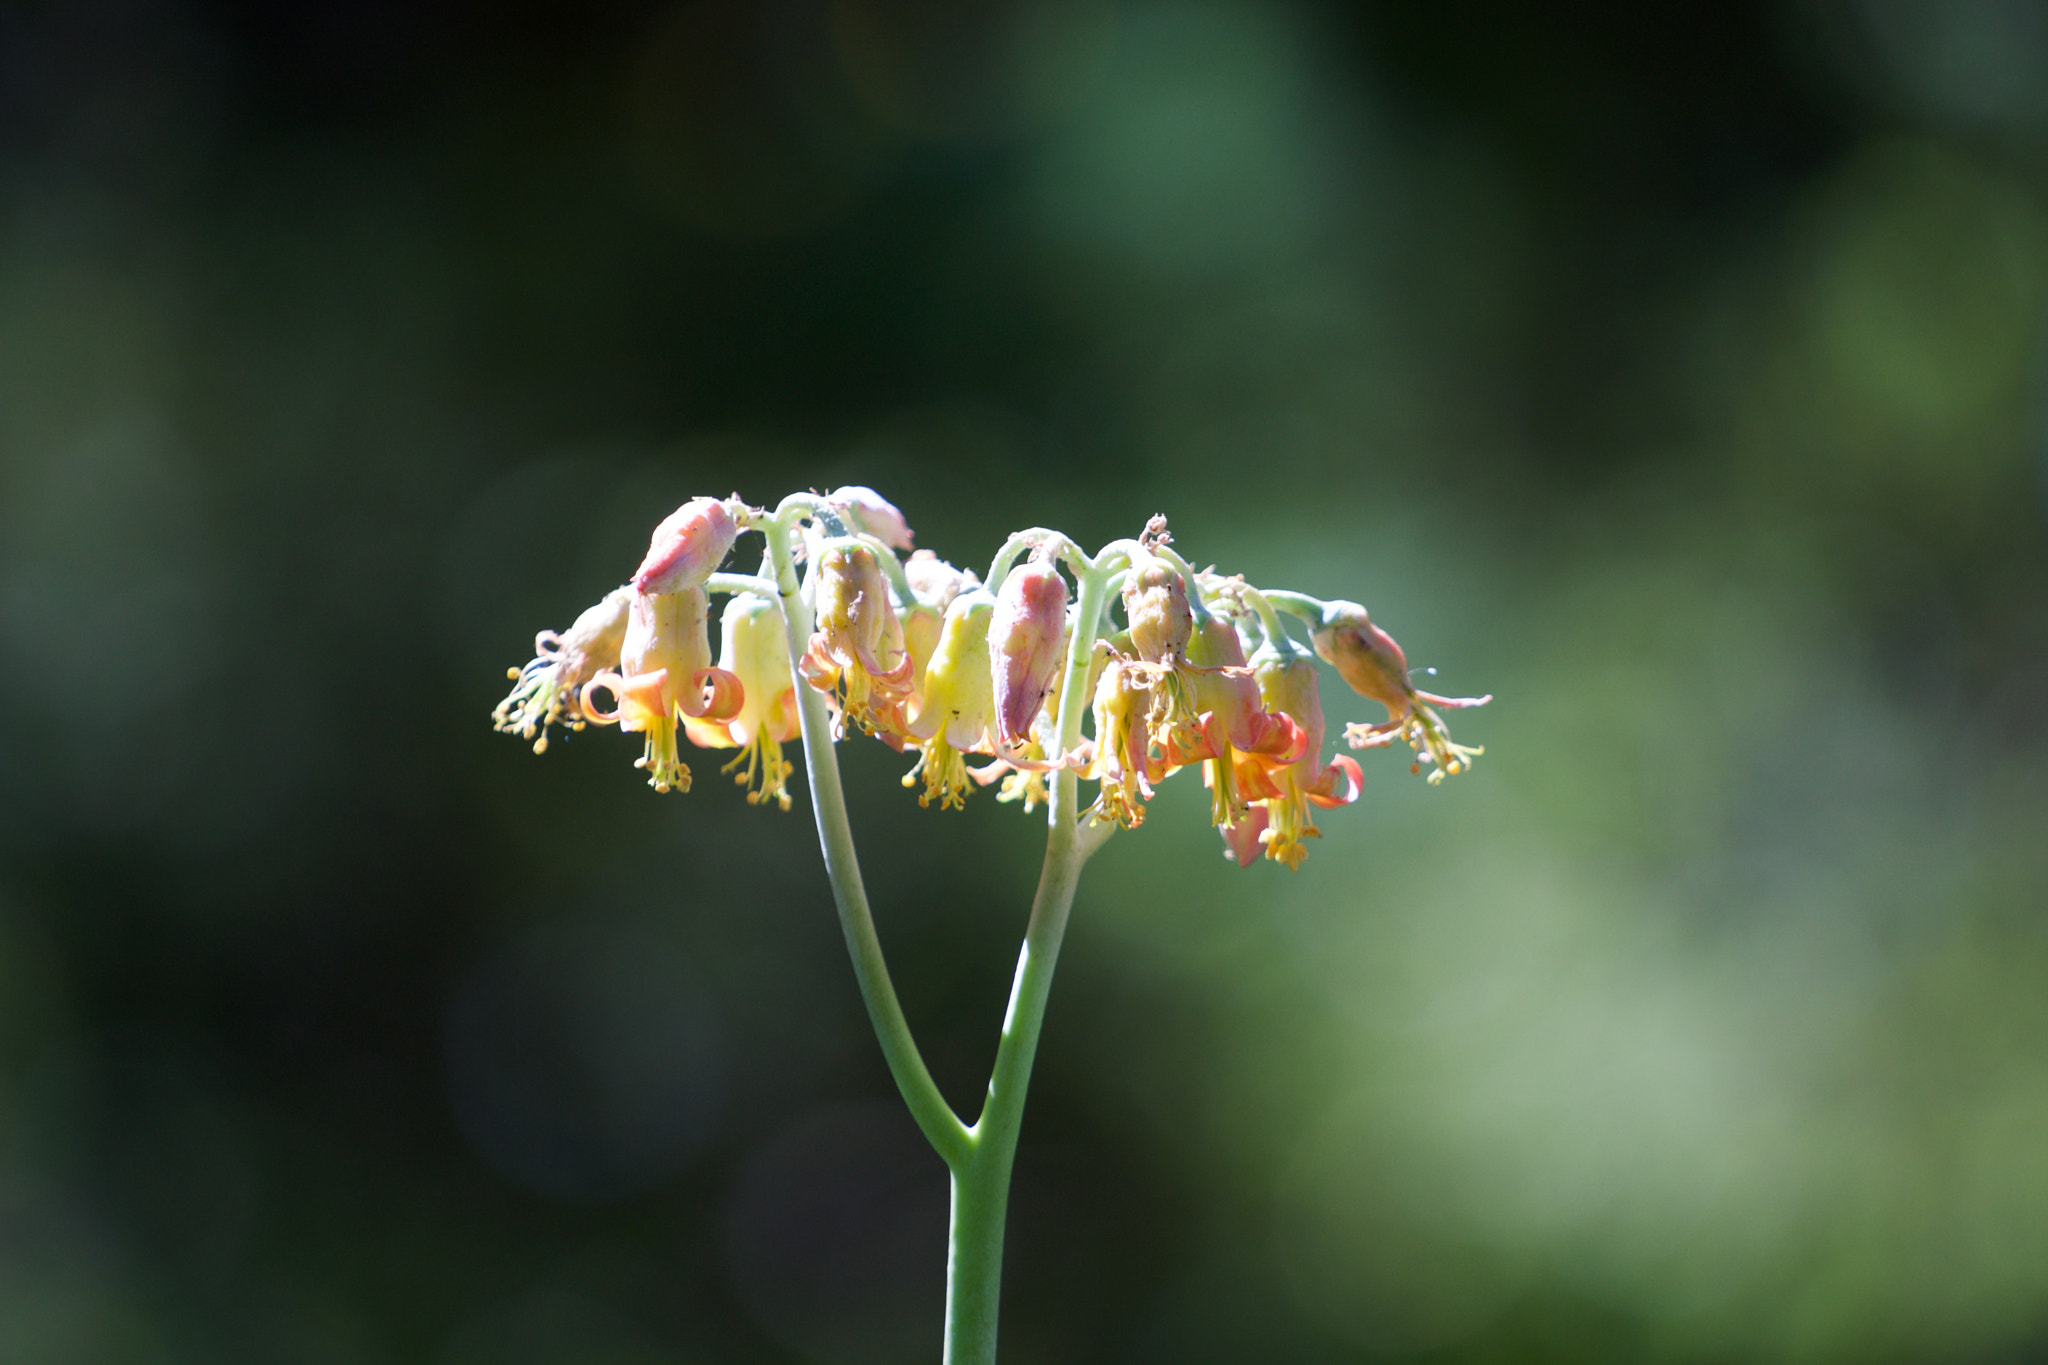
1282, 789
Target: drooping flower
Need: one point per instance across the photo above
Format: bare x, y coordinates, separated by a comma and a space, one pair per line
956, 704
1123, 762
665, 671
934, 584
1282, 789
1367, 658
1234, 720
754, 648
687, 547
858, 652
1027, 643
549, 684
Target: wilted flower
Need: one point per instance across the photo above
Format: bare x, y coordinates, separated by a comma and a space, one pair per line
1124, 765
754, 648
858, 650
548, 685
1367, 658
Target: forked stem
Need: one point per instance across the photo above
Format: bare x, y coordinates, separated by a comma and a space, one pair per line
980, 1158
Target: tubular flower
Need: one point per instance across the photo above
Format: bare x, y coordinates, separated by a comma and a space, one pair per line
754, 649
1161, 625
1234, 722
933, 585
952, 714
1124, 764
858, 651
1282, 790
691, 543
1027, 645
1367, 658
550, 681
665, 671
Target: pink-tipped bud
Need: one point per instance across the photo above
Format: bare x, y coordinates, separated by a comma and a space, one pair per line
687, 547
1365, 656
869, 513
1027, 643
1156, 603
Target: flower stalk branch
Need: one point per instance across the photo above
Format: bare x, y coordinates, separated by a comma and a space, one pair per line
1202, 673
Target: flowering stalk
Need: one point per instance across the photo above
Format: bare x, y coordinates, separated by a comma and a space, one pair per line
1203, 673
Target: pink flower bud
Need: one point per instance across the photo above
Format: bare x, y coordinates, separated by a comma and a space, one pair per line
1027, 643
869, 513
687, 547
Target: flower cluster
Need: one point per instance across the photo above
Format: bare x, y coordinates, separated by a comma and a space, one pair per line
1203, 670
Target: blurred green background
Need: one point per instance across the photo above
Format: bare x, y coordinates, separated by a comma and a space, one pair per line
1673, 372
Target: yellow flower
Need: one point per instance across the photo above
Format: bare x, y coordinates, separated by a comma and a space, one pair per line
665, 671
951, 716
754, 649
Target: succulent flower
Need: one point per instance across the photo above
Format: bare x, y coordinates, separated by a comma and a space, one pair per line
1282, 788
687, 547
665, 671
1367, 658
858, 652
754, 649
954, 710
548, 685
1027, 644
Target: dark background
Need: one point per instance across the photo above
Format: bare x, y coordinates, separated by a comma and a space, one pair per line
1673, 372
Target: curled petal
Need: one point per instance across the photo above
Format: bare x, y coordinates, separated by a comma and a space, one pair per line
719, 695
1346, 764
1244, 841
607, 681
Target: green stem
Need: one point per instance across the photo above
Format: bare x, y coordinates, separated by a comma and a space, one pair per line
980, 1158
941, 1127
981, 1185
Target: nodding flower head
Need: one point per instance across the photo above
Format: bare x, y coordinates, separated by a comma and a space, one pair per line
951, 715
665, 671
871, 514
858, 650
1027, 644
548, 686
1367, 658
1282, 788
754, 649
687, 547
